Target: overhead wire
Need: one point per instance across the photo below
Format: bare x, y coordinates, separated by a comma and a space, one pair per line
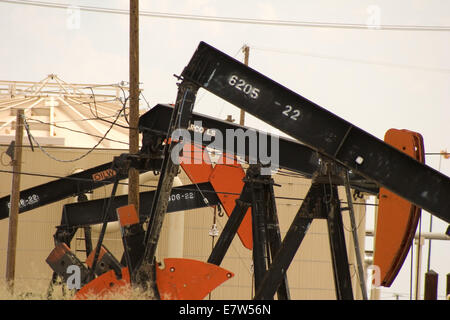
104, 137
236, 20
70, 121
104, 118
79, 157
353, 60
76, 131
83, 103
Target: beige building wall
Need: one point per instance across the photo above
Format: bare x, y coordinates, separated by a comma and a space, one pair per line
36, 227
310, 274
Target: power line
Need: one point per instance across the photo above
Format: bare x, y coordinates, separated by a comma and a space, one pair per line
280, 23
77, 131
70, 121
353, 60
77, 158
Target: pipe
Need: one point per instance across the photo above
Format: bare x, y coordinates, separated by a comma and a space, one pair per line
425, 235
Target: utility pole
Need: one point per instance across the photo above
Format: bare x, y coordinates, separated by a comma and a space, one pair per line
246, 50
14, 203
133, 174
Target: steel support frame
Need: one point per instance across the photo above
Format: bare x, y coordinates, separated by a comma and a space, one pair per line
257, 194
341, 271
274, 238
260, 254
144, 275
321, 202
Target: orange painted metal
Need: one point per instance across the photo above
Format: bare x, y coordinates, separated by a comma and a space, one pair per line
186, 279
225, 177
226, 180
196, 163
102, 175
90, 258
106, 286
397, 218
180, 279
127, 215
58, 252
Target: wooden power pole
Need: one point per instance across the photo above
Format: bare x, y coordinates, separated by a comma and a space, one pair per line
14, 203
133, 174
246, 50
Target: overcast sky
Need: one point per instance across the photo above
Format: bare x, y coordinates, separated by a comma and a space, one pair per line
376, 79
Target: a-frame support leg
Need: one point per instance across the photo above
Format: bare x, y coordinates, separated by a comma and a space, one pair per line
289, 246
258, 194
321, 202
274, 239
341, 272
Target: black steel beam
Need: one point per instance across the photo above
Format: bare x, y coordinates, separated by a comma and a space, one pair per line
292, 155
260, 257
274, 239
62, 188
181, 198
72, 185
145, 271
320, 129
